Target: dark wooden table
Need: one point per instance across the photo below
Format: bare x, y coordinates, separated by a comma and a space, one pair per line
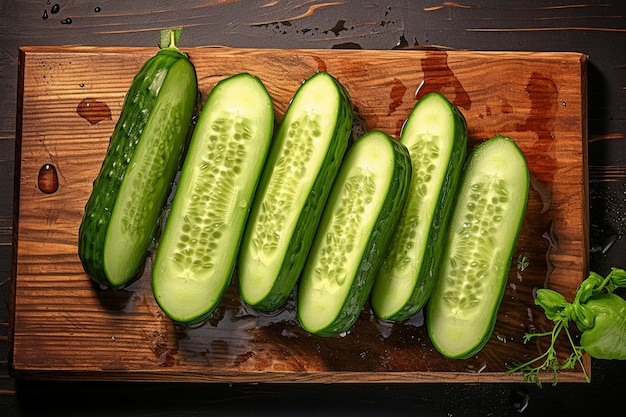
595, 28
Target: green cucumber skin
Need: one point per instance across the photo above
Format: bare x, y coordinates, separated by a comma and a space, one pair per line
426, 270
196, 255
308, 219
461, 332
133, 127
376, 246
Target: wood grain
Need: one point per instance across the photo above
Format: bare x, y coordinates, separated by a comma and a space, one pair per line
64, 326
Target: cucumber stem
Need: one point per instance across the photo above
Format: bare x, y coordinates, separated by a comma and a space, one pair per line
169, 38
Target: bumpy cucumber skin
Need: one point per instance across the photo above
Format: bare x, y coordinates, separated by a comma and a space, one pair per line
376, 247
440, 321
202, 286
304, 231
427, 271
127, 134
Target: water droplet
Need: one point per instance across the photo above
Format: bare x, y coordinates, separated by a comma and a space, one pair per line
385, 327
477, 367
48, 179
417, 320
544, 189
55, 9
419, 87
607, 246
396, 94
321, 65
67, 21
543, 95
45, 14
93, 111
97, 9
439, 77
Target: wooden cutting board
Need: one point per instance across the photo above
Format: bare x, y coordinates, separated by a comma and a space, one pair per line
64, 326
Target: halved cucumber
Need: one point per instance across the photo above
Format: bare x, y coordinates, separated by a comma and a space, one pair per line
483, 231
301, 166
436, 135
357, 225
197, 251
136, 175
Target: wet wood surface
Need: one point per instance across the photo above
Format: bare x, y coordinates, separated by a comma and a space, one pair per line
538, 99
594, 29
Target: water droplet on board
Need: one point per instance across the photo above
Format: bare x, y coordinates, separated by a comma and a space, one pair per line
416, 320
93, 111
438, 77
419, 87
67, 21
385, 327
553, 243
544, 190
543, 94
321, 65
477, 367
506, 108
97, 9
48, 179
45, 14
396, 94
55, 8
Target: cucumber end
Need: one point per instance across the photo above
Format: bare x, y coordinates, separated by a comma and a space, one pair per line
169, 38
456, 337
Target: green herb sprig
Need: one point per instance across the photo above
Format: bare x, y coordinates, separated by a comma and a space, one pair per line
589, 303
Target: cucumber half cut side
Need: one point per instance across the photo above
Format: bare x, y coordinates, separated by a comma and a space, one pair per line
196, 254
482, 235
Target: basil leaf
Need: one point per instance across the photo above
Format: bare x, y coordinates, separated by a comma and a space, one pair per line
606, 339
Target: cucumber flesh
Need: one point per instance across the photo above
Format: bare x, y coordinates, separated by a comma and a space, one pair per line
302, 163
201, 237
483, 231
355, 231
436, 135
149, 177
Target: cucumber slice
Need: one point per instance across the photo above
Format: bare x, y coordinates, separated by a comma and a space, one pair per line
302, 164
357, 225
201, 237
485, 223
436, 135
